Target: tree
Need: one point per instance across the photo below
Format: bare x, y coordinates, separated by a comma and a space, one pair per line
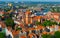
47, 23
37, 23
7, 9
2, 35
10, 22
54, 23
55, 9
59, 24
46, 36
18, 28
52, 9
57, 34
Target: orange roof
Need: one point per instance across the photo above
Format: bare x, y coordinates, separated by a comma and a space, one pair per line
44, 32
36, 17
59, 27
31, 29
2, 16
44, 16
15, 32
51, 32
2, 24
39, 27
22, 37
31, 34
21, 25
24, 29
56, 14
28, 12
52, 26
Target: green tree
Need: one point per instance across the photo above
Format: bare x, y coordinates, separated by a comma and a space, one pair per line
18, 28
57, 34
59, 24
54, 23
10, 22
47, 23
7, 9
37, 23
52, 9
46, 36
55, 9
2, 35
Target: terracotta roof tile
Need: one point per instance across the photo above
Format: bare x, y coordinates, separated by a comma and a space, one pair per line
22, 37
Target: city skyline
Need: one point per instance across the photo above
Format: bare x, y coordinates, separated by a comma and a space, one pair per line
34, 0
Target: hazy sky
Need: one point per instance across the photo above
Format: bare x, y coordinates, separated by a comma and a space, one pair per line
34, 0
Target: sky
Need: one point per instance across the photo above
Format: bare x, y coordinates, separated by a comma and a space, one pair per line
34, 0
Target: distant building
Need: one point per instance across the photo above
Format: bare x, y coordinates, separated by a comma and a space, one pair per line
55, 16
1, 12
